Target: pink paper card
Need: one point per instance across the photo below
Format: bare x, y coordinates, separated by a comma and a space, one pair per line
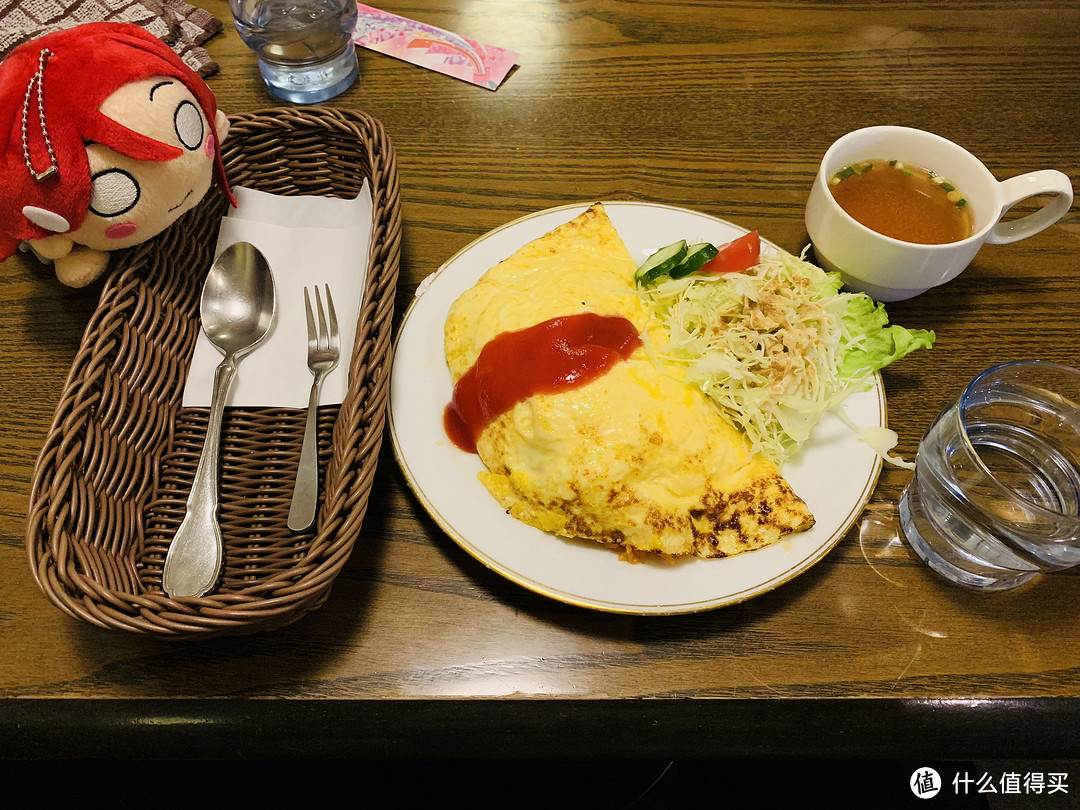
432, 48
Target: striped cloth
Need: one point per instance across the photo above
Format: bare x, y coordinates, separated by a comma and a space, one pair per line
180, 25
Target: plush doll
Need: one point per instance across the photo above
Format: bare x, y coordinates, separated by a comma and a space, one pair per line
106, 139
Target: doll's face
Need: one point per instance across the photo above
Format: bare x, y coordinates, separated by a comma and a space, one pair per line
133, 200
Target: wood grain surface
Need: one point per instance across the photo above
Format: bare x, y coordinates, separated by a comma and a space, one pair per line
722, 107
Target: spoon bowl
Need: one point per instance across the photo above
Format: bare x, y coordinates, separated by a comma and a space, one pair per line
237, 307
238, 300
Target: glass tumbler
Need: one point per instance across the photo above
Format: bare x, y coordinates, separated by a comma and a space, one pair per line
995, 499
304, 47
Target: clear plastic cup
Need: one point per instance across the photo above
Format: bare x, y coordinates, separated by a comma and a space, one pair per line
995, 499
304, 47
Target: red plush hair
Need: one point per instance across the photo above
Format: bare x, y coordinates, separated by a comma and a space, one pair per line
82, 67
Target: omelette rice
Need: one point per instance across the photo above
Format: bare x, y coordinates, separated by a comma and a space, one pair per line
634, 458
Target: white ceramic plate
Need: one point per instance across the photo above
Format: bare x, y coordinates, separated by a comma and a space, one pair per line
834, 472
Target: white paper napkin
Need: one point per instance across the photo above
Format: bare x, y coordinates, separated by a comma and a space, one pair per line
307, 241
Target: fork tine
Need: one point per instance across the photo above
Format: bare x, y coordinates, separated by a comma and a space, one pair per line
322, 320
333, 321
312, 339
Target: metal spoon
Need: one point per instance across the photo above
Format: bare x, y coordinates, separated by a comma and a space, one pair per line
237, 307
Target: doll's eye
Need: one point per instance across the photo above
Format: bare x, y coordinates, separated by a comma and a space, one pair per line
189, 125
113, 192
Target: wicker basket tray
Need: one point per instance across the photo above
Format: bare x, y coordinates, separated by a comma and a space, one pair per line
112, 480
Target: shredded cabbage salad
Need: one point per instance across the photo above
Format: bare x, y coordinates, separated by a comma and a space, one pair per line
778, 345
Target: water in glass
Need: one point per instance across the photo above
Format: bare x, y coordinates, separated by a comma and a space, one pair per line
996, 495
303, 47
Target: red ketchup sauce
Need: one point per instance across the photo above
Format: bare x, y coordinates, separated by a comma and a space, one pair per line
553, 356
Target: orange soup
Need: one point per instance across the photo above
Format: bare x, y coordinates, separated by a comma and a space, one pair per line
902, 201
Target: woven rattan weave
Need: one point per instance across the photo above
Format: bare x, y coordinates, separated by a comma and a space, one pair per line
112, 479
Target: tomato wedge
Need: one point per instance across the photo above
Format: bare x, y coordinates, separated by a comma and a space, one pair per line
737, 255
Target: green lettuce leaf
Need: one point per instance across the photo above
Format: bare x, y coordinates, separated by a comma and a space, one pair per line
875, 344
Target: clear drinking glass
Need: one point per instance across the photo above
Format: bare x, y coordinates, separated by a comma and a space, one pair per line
303, 47
996, 495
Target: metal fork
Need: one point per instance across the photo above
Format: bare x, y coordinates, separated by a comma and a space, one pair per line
322, 358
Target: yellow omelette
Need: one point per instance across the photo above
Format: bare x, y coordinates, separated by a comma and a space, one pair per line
635, 458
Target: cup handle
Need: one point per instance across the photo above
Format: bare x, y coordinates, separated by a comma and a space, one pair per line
1015, 189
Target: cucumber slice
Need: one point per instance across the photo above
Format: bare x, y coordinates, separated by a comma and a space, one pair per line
661, 262
697, 256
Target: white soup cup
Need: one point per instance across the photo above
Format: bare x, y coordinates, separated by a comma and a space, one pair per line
890, 269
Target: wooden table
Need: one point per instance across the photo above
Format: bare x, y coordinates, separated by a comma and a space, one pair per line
422, 651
